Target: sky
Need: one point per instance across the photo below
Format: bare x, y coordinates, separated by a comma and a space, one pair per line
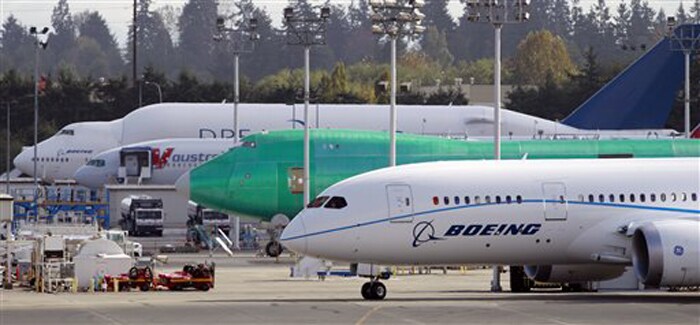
118, 13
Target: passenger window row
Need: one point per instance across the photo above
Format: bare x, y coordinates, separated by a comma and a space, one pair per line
641, 197
51, 159
457, 200
180, 165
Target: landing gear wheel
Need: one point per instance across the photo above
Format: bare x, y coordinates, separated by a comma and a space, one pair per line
373, 290
378, 290
519, 282
366, 294
273, 249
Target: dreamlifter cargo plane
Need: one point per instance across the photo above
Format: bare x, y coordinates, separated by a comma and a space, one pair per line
61, 155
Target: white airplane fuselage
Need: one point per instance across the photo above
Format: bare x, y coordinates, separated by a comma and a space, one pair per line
60, 156
170, 158
552, 212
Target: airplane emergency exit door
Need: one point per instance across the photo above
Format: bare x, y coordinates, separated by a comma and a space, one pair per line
554, 199
400, 201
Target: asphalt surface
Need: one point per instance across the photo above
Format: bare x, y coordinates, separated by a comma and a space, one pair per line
257, 290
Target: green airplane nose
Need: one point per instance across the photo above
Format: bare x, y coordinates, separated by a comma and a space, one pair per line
208, 183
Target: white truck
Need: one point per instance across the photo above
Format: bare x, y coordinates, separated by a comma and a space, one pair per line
200, 215
142, 215
130, 248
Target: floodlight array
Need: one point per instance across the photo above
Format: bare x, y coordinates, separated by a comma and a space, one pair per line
498, 11
397, 18
304, 29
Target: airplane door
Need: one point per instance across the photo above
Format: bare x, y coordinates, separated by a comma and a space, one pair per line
554, 199
400, 202
131, 162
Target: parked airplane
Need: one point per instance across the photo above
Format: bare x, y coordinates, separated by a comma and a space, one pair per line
635, 104
60, 156
568, 221
159, 162
641, 97
262, 177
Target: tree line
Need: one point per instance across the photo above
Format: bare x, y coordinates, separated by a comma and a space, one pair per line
564, 51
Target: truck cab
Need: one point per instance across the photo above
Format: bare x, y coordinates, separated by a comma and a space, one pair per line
209, 218
142, 215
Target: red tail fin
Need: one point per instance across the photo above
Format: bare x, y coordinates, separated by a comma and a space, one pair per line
695, 134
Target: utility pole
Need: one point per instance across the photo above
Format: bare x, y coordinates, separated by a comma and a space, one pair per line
684, 38
38, 45
396, 19
306, 31
134, 46
242, 36
497, 13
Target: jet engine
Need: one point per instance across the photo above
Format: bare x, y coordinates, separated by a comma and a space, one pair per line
667, 253
573, 273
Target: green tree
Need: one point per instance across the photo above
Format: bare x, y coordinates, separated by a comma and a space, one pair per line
92, 25
196, 25
155, 47
695, 12
622, 23
17, 45
541, 56
438, 15
63, 37
681, 16
434, 44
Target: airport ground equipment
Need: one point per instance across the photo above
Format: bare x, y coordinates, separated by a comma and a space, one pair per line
142, 215
209, 218
6, 215
97, 258
53, 270
130, 248
208, 237
200, 277
137, 277
62, 203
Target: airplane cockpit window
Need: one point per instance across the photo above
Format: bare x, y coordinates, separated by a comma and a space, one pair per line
249, 144
318, 202
66, 132
96, 163
336, 202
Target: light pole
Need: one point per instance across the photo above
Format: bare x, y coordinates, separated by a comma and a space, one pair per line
394, 19
685, 38
307, 31
7, 150
497, 13
39, 44
242, 36
155, 84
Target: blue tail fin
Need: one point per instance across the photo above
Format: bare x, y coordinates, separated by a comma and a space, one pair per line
641, 97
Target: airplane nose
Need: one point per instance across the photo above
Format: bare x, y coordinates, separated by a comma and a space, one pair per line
23, 161
182, 185
294, 235
87, 177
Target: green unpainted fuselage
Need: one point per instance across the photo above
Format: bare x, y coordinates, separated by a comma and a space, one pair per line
262, 177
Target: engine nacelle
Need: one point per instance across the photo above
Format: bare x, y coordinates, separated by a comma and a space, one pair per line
573, 273
667, 253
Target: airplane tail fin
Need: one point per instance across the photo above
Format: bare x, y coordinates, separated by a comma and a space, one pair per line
642, 96
695, 134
